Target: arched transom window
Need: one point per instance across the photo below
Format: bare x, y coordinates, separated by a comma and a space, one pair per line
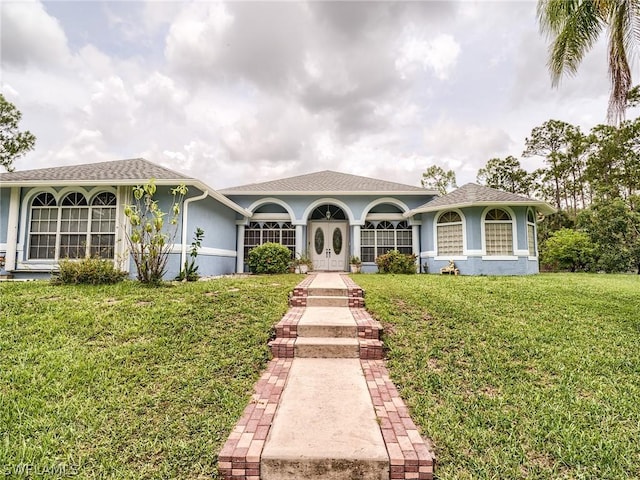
377, 238
449, 234
72, 228
498, 232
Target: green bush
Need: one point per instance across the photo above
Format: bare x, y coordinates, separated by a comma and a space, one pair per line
567, 249
89, 271
269, 258
396, 262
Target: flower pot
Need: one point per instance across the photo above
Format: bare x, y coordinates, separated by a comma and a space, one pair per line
355, 268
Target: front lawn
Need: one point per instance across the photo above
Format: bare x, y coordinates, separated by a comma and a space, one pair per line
518, 377
128, 381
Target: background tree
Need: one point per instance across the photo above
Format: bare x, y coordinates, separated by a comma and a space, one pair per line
506, 174
633, 97
13, 143
552, 141
437, 178
613, 165
574, 27
614, 229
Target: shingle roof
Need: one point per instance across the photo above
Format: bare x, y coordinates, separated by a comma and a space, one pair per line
118, 172
478, 195
137, 169
325, 182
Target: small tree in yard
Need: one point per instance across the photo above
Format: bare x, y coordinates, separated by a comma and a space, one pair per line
150, 245
568, 249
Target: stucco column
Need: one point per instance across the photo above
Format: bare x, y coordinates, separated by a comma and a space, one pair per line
240, 250
12, 230
299, 249
355, 242
122, 252
415, 241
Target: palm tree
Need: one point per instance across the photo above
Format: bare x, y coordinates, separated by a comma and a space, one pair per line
575, 25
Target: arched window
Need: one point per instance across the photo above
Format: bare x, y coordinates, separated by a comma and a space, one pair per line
449, 234
498, 232
531, 233
43, 227
377, 238
103, 225
257, 233
74, 228
74, 224
328, 212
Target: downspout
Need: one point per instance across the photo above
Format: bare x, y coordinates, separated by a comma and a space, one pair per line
185, 217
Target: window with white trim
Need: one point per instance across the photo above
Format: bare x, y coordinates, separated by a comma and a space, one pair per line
257, 233
103, 225
74, 219
43, 227
498, 232
449, 234
377, 238
65, 230
531, 233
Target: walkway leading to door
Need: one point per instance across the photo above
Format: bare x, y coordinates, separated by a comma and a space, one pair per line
325, 408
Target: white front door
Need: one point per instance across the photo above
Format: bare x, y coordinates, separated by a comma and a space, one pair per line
328, 245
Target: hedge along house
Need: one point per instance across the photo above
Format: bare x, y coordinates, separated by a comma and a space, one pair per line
77, 211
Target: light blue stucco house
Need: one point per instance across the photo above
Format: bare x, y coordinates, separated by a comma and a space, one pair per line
78, 211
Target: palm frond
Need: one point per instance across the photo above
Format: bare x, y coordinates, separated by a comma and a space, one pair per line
621, 43
574, 26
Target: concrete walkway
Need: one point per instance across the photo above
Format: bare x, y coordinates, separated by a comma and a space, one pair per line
326, 408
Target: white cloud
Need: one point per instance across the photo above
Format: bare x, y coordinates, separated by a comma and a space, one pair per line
438, 54
239, 92
31, 36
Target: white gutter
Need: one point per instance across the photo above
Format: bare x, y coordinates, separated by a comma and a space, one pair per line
185, 217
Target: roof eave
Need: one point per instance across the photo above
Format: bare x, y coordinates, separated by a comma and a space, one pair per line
543, 207
222, 199
325, 193
110, 182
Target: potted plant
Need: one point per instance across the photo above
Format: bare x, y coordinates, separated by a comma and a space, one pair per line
355, 264
303, 263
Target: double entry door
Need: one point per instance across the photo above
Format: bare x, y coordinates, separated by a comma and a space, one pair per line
329, 245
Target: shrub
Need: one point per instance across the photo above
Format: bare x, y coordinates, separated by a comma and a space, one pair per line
189, 272
567, 249
269, 258
89, 271
396, 262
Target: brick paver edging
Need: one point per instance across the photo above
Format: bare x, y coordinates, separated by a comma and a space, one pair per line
371, 347
409, 455
240, 455
298, 298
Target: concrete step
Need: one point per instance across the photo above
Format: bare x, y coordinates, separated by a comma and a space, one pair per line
327, 347
327, 292
325, 427
327, 322
327, 301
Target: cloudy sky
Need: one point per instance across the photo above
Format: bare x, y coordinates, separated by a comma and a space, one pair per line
238, 92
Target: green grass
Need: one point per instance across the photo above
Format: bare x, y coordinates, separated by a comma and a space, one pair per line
128, 381
518, 377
